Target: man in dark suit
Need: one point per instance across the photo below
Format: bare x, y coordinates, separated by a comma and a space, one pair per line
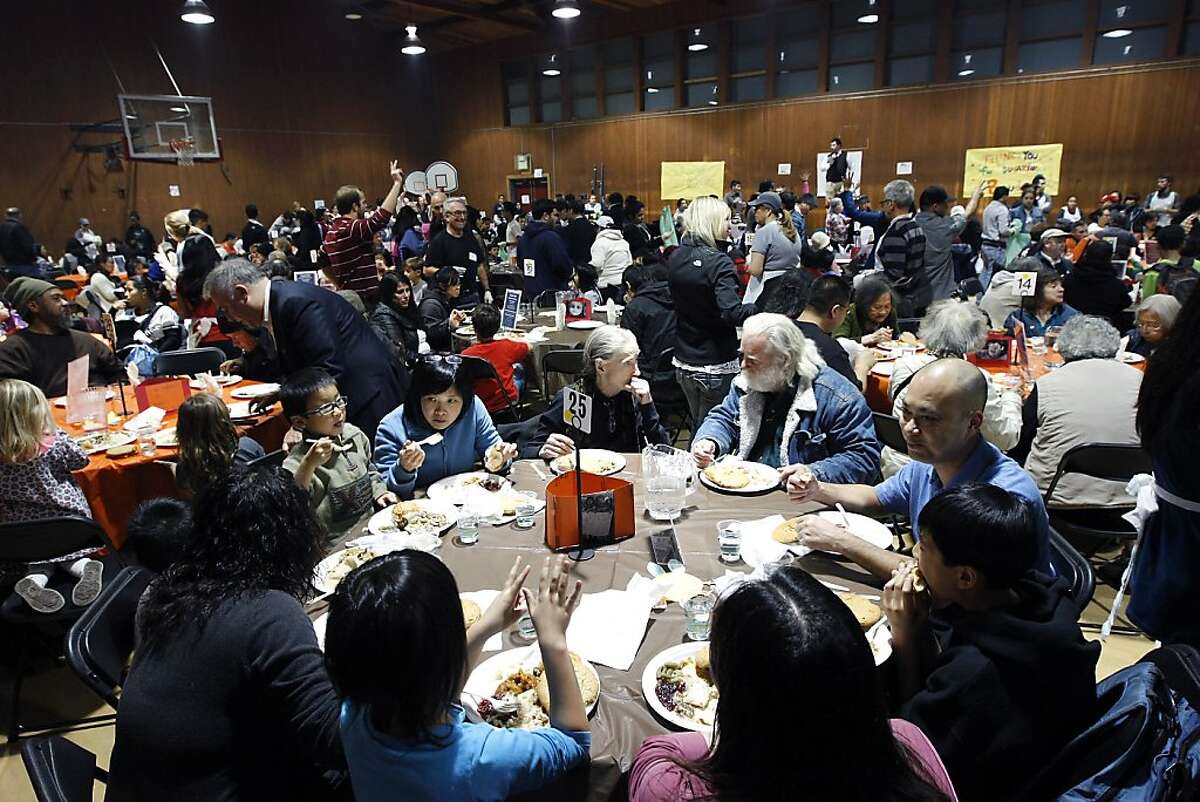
313, 327
253, 232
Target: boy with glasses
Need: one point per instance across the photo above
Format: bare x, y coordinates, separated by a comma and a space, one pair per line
333, 459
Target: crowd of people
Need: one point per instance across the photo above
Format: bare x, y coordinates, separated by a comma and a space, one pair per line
762, 314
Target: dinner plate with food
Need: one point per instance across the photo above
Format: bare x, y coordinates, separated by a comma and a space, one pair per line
254, 391
599, 461
678, 686
872, 622
454, 489
739, 477
222, 380
510, 690
240, 411
874, 532
334, 568
1130, 358
419, 515
585, 325
102, 441
883, 368
466, 332
167, 438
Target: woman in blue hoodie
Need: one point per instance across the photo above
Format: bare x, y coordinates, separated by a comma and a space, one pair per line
440, 400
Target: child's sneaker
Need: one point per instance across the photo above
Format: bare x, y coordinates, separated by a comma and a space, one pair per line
88, 587
41, 599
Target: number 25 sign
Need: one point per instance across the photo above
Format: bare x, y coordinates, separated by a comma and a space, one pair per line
577, 410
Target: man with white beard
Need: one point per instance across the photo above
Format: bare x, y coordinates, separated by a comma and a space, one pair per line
787, 408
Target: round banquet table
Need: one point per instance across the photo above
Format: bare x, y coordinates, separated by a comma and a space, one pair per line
114, 487
77, 283
622, 719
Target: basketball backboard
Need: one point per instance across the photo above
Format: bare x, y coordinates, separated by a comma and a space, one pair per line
153, 122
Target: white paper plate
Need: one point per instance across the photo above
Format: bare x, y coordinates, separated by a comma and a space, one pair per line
1130, 358
650, 680
166, 438
565, 463
111, 440
241, 411
883, 368
379, 545
452, 489
61, 401
466, 332
492, 671
762, 479
584, 325
254, 391
222, 380
381, 522
874, 532
879, 636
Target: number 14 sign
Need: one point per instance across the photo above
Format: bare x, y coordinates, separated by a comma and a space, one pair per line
577, 410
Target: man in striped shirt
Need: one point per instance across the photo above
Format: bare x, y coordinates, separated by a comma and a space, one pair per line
347, 254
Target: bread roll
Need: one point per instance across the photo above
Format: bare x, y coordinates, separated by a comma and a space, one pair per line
786, 531
867, 612
471, 612
589, 687
704, 665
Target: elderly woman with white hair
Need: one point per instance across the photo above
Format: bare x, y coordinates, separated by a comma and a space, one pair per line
951, 330
787, 409
708, 308
1091, 399
1155, 319
623, 413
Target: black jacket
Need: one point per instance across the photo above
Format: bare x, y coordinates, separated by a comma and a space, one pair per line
16, 243
1009, 688
579, 234
616, 425
708, 310
1096, 290
253, 233
834, 354
435, 318
316, 328
639, 237
140, 240
197, 258
650, 315
398, 329
837, 168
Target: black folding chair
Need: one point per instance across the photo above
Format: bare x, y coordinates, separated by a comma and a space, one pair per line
61, 771
565, 362
189, 362
272, 460
36, 542
100, 641
887, 429
909, 324
1111, 462
480, 370
1074, 567
970, 288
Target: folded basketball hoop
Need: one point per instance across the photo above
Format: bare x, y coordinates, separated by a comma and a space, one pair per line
185, 151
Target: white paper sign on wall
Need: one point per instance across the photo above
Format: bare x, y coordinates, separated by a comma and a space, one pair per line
785, 168
537, 172
173, 190
903, 168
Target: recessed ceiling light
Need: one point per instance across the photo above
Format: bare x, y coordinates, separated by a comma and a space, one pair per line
178, 108
551, 72
353, 15
965, 73
696, 47
412, 44
565, 9
130, 116
651, 90
712, 102
1119, 33
869, 19
197, 13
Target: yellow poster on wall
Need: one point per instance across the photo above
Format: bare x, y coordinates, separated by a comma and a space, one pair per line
692, 179
1012, 166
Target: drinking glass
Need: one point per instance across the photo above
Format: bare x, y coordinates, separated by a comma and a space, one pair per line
729, 537
1052, 336
664, 497
698, 610
468, 528
526, 509
145, 440
1038, 345
525, 627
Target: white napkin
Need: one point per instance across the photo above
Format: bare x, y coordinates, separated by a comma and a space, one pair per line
482, 502
152, 416
484, 598
608, 627
759, 548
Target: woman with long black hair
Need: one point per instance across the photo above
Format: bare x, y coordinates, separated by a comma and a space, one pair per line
771, 639
396, 318
228, 697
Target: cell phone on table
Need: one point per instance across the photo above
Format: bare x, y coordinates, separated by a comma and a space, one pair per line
664, 548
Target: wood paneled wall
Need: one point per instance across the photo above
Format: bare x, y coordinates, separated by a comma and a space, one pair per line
1120, 129
304, 101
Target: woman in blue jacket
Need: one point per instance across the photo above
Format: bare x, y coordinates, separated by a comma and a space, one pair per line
1045, 308
440, 400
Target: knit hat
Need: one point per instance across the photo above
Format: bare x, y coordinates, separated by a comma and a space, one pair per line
26, 289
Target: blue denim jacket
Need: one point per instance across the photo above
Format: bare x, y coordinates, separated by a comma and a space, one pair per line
829, 428
1036, 328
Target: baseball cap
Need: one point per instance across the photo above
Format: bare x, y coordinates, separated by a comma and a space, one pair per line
769, 199
934, 194
1052, 233
820, 240
83, 221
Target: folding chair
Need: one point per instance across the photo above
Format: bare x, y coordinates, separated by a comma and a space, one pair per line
189, 362
1074, 567
100, 641
484, 371
565, 362
887, 429
61, 771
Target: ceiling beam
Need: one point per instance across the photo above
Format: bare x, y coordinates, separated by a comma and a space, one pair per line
492, 14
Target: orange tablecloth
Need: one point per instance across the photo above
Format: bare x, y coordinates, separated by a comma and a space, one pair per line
114, 487
877, 386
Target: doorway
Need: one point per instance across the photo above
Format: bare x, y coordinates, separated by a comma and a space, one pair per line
525, 189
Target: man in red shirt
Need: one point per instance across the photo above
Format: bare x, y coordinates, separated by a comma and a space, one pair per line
348, 255
506, 357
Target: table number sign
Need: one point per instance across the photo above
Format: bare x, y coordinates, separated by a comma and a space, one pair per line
1025, 285
512, 305
577, 410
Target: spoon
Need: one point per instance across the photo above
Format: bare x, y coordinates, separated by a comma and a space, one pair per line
431, 440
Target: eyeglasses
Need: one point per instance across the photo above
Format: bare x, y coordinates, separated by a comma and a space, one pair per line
329, 408
456, 213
